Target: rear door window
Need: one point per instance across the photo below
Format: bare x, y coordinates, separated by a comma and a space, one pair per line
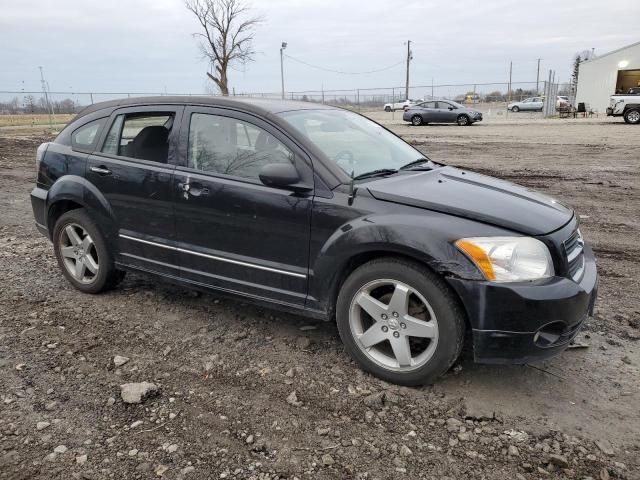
86, 137
144, 136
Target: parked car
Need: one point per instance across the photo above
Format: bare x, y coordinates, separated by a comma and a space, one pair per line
319, 211
626, 106
441, 111
388, 107
562, 102
528, 104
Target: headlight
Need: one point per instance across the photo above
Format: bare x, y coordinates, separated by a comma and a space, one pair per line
508, 259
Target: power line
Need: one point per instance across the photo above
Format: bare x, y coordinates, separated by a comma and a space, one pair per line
342, 72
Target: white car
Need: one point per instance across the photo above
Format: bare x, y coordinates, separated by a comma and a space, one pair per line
626, 106
562, 101
388, 107
528, 104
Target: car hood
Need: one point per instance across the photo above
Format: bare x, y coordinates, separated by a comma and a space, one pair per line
475, 196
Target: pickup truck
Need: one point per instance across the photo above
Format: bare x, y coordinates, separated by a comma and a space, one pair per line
626, 106
388, 107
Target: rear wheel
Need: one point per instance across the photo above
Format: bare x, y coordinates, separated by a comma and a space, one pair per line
463, 120
416, 120
632, 116
82, 253
387, 108
400, 321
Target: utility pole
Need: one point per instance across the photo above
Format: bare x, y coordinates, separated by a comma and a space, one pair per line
46, 96
538, 77
406, 88
282, 47
510, 73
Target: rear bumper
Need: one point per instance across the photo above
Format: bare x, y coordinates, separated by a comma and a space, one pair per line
523, 322
39, 206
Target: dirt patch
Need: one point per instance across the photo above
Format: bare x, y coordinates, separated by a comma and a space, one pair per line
226, 371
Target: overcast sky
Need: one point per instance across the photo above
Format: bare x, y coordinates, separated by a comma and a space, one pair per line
147, 45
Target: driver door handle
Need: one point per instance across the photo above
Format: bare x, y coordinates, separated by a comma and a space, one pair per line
101, 170
195, 189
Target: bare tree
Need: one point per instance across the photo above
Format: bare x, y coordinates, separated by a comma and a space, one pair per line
226, 36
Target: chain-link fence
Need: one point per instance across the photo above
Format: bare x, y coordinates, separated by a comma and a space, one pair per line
491, 94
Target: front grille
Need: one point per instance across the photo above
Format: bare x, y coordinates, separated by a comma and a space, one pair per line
573, 249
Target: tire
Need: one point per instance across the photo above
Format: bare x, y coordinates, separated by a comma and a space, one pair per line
515, 109
632, 116
87, 247
385, 278
387, 109
463, 120
416, 120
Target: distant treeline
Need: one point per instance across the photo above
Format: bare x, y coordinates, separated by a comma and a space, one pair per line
31, 104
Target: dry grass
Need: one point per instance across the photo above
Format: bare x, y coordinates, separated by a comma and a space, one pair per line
33, 119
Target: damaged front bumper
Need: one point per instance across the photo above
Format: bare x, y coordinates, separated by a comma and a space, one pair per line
516, 323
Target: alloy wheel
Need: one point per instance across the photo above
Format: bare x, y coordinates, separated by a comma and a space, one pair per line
393, 325
634, 116
78, 252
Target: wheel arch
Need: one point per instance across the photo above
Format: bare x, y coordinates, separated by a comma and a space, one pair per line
349, 250
71, 192
363, 258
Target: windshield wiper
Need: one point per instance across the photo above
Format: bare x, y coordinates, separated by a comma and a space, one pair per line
415, 163
376, 173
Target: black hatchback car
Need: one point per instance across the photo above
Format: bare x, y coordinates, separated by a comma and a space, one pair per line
320, 211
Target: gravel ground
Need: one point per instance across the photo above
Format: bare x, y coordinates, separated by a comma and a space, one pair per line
242, 392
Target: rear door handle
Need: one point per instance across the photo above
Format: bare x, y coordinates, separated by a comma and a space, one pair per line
101, 170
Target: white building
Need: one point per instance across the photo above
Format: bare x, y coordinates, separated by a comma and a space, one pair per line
607, 74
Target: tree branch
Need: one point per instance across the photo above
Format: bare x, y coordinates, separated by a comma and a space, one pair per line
226, 35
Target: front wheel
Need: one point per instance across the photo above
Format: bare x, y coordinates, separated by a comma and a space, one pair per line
463, 120
387, 108
82, 253
416, 120
515, 109
400, 321
632, 116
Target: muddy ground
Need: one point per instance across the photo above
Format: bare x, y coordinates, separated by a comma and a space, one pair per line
225, 371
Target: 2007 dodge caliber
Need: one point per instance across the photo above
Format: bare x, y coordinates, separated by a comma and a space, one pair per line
320, 211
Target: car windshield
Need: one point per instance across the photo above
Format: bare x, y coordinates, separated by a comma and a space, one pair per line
354, 143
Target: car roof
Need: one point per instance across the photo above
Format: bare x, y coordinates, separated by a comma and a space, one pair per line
261, 106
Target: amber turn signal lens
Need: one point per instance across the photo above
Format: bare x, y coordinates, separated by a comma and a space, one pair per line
478, 256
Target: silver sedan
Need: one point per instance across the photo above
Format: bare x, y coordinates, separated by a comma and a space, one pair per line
441, 111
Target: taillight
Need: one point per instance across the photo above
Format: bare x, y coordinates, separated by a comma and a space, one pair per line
40, 154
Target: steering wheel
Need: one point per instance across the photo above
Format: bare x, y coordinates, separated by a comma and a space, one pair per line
345, 160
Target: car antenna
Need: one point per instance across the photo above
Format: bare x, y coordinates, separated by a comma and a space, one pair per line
352, 188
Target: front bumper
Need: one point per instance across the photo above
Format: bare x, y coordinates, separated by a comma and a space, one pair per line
516, 323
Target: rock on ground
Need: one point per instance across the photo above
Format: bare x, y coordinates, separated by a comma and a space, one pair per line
137, 392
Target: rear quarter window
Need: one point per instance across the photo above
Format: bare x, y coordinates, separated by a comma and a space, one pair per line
86, 136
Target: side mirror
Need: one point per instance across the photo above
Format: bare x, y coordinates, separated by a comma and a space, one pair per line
282, 175
451, 108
